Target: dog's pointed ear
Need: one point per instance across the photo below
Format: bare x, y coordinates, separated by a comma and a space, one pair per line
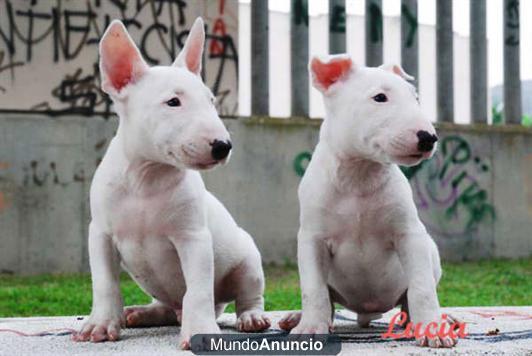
192, 52
120, 60
398, 70
326, 72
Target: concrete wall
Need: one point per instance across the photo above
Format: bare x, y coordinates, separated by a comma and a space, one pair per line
475, 196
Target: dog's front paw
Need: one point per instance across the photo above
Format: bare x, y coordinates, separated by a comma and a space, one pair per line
99, 329
316, 327
436, 342
441, 341
187, 333
252, 321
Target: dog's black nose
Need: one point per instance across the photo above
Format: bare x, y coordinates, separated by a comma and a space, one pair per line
426, 141
220, 149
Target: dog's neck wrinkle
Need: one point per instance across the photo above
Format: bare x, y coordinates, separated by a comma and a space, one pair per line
360, 176
144, 176
355, 174
151, 178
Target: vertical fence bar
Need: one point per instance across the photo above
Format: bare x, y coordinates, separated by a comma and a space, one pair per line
444, 60
337, 19
409, 38
374, 36
478, 63
259, 58
299, 57
512, 77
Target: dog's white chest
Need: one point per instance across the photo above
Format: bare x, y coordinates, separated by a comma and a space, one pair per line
142, 216
147, 205
363, 219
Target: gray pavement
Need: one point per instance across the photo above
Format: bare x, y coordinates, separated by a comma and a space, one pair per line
492, 331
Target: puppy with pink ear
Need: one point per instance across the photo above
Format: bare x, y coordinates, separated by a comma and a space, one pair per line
151, 213
361, 243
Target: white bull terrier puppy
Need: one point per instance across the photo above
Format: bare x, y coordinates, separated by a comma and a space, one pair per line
151, 213
361, 243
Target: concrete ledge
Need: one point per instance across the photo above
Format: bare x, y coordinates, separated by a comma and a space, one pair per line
514, 335
288, 121
305, 121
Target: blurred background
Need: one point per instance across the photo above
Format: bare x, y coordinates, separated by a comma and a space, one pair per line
471, 60
354, 24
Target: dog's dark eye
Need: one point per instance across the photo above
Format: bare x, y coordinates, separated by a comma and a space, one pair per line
173, 102
380, 98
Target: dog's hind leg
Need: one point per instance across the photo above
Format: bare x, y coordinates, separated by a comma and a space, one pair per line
290, 321
250, 304
153, 314
249, 297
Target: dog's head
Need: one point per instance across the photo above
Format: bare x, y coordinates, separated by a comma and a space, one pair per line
167, 114
372, 113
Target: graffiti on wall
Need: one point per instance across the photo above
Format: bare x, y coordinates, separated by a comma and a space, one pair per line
49, 49
375, 27
300, 12
411, 25
337, 19
512, 23
451, 190
41, 173
301, 162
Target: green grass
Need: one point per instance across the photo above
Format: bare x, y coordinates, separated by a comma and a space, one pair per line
485, 283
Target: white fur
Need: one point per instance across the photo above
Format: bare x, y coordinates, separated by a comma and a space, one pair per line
361, 243
150, 210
